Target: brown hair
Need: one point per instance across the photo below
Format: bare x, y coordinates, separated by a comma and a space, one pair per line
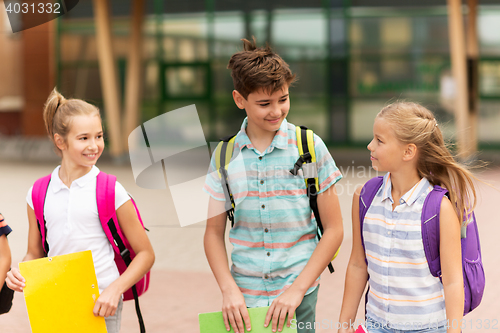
256, 67
58, 111
415, 124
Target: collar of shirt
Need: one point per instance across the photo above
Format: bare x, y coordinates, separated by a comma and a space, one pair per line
280, 139
409, 197
57, 183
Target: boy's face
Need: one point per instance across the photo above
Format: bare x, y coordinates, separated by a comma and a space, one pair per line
265, 112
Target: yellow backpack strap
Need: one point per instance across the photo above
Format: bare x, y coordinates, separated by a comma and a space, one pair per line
307, 154
223, 154
307, 162
217, 157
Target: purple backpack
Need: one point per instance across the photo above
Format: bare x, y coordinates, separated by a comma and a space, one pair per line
105, 196
472, 266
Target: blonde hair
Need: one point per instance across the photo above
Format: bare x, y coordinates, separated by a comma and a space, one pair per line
58, 112
413, 123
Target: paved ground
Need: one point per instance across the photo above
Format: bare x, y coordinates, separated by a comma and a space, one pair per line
182, 285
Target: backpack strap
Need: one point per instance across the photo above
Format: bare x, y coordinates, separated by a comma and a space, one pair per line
307, 155
430, 228
105, 196
366, 196
223, 154
38, 195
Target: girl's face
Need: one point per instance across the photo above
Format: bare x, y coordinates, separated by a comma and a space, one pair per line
386, 150
84, 143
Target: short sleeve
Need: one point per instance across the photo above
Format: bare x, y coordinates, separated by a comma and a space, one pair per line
328, 173
121, 195
4, 228
213, 183
29, 197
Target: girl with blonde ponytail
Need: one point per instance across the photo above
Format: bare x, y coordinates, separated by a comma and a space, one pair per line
58, 113
388, 252
70, 210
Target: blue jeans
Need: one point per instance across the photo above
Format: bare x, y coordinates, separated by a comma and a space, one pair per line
376, 327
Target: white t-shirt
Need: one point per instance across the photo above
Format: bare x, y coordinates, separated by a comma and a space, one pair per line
73, 222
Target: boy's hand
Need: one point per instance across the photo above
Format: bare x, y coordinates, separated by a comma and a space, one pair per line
285, 304
15, 280
234, 311
107, 303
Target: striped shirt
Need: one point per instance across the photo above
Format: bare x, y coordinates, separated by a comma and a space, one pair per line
274, 233
403, 293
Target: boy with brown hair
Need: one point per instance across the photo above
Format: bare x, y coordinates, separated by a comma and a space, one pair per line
276, 257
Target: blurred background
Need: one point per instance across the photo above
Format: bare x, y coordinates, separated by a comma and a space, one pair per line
351, 58
139, 59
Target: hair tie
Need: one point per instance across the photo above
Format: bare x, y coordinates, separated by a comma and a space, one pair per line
57, 107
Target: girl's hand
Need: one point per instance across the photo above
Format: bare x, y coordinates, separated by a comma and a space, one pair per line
234, 311
285, 304
107, 302
15, 280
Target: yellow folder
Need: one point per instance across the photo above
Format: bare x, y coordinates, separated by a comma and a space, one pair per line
60, 293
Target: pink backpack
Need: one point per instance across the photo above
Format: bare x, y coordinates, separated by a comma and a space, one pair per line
105, 195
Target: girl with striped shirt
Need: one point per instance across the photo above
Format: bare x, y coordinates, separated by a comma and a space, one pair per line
403, 296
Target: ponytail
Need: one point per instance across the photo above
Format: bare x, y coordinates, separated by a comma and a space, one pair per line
58, 111
54, 101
